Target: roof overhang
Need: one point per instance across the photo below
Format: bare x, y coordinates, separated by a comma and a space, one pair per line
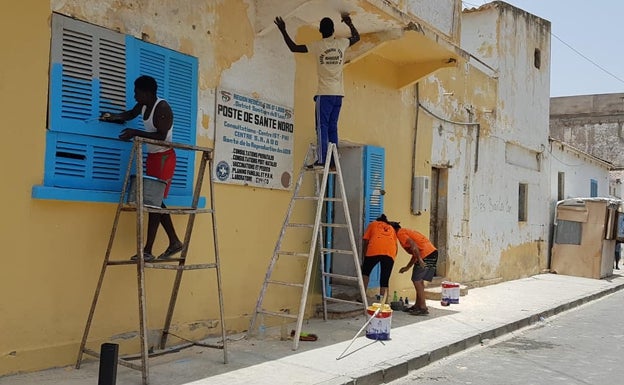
415, 48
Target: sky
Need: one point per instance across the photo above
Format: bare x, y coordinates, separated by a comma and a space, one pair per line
590, 27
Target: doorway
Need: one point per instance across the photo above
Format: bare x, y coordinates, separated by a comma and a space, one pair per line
437, 224
363, 175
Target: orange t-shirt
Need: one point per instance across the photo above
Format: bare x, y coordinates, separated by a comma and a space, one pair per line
382, 239
425, 247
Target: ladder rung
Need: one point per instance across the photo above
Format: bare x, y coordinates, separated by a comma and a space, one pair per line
337, 251
306, 197
283, 283
121, 262
198, 266
335, 225
131, 262
309, 225
183, 211
343, 301
294, 253
332, 199
179, 211
170, 349
120, 361
278, 314
319, 170
346, 277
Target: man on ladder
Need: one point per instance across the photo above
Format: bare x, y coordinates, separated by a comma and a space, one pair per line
161, 161
330, 54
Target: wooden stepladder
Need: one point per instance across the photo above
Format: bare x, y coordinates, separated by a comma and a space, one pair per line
178, 265
322, 177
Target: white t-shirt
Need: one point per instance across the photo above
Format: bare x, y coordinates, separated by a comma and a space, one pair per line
329, 54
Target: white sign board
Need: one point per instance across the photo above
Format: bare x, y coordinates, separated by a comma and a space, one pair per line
253, 142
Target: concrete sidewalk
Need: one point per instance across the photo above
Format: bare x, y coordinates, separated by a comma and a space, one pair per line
416, 341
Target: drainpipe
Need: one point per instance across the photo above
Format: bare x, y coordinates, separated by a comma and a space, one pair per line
417, 100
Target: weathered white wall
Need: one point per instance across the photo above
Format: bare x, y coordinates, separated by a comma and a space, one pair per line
269, 73
579, 169
439, 14
486, 240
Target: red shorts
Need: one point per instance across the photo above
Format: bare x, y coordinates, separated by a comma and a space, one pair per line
161, 165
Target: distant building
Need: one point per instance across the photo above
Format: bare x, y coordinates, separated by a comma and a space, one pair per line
593, 124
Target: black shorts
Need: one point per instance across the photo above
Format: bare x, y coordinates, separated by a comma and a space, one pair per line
428, 272
386, 264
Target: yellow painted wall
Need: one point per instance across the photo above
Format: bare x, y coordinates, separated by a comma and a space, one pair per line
57, 247
54, 250
30, 230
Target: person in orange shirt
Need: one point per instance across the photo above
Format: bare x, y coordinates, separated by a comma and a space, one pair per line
424, 258
380, 246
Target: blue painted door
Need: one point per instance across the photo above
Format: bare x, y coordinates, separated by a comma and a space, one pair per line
374, 169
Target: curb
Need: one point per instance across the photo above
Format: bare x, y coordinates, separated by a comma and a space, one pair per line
394, 369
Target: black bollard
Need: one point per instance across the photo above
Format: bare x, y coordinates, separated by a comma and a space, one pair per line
108, 364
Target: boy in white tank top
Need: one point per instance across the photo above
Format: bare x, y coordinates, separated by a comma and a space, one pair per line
161, 160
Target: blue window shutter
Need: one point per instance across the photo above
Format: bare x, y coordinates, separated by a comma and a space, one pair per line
593, 188
176, 75
92, 71
87, 77
374, 166
83, 162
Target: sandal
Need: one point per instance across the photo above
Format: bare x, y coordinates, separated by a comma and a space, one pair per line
147, 257
420, 312
171, 251
410, 309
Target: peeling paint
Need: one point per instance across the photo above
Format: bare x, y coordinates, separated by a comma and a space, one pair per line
205, 121
521, 261
486, 50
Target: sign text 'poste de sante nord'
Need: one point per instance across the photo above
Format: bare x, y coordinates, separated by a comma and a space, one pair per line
253, 141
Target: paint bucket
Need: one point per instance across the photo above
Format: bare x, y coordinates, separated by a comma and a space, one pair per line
450, 293
153, 191
379, 326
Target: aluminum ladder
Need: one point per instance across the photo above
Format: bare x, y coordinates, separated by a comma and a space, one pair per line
321, 178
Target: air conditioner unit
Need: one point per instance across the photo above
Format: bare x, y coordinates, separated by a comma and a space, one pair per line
421, 194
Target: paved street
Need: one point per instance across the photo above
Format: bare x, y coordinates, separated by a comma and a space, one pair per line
582, 346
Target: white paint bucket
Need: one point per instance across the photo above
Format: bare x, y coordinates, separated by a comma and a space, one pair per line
379, 326
450, 292
153, 191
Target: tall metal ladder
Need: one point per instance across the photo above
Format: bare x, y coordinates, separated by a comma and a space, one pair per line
141, 265
322, 176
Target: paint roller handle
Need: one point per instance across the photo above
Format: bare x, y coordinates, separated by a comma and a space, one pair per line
360, 331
